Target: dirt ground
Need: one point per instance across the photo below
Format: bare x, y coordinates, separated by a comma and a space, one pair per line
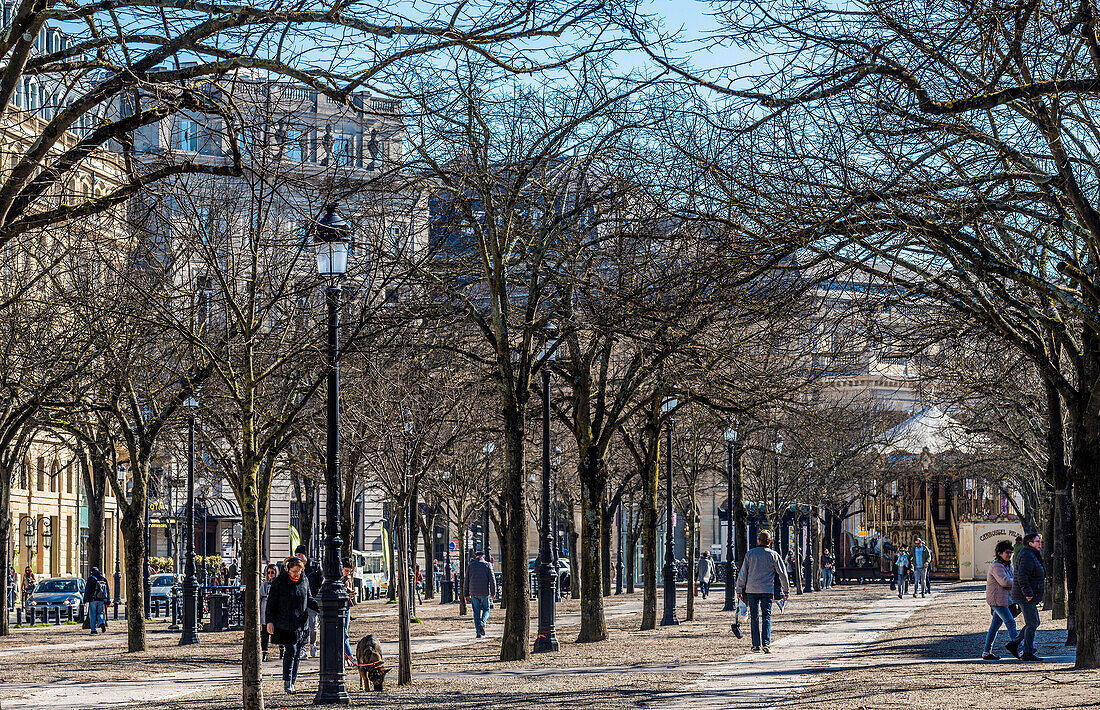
932, 662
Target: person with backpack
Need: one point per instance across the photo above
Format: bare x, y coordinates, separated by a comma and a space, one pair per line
998, 589
1028, 586
96, 593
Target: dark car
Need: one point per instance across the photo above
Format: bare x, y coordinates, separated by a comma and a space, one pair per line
60, 591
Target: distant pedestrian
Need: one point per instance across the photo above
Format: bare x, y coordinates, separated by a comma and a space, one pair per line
28, 586
756, 583
96, 593
286, 616
1028, 587
920, 558
12, 583
478, 586
901, 569
349, 586
270, 573
1016, 549
827, 567
998, 588
704, 573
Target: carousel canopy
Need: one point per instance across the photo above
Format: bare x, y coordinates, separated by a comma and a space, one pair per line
931, 430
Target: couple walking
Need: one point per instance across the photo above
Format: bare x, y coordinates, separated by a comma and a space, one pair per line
1006, 586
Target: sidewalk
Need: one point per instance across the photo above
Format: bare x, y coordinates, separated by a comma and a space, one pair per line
169, 686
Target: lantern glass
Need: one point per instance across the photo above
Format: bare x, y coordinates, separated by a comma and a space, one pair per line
332, 258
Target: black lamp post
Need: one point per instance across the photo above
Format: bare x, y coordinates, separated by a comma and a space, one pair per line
30, 533
332, 237
731, 567
547, 639
488, 450
446, 588
669, 618
118, 567
779, 524
190, 633
146, 582
619, 556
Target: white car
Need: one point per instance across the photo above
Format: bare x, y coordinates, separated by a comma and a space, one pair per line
162, 585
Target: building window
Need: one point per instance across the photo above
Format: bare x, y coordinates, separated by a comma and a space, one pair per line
54, 472
41, 473
292, 145
69, 479
188, 135
24, 471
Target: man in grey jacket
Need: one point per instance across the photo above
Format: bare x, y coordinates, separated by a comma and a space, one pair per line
478, 586
756, 587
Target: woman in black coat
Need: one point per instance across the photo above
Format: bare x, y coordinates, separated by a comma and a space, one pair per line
286, 617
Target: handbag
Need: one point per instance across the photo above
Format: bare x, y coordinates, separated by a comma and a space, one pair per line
1014, 609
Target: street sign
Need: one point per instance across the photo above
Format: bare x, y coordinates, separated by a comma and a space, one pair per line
453, 545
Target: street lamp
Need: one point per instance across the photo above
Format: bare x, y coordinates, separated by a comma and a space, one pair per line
331, 238
731, 568
47, 541
190, 633
146, 581
446, 592
669, 618
118, 530
30, 534
779, 519
619, 555
547, 639
488, 450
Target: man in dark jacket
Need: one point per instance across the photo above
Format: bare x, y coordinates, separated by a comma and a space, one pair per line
95, 597
479, 586
1027, 590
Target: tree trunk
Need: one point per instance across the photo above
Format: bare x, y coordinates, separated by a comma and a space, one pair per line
740, 515
95, 492
1059, 478
251, 689
404, 593
515, 645
133, 539
1086, 508
648, 505
593, 489
816, 546
5, 546
426, 532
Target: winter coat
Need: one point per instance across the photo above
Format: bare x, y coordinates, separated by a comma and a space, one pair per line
287, 603
704, 570
1027, 578
479, 580
998, 584
759, 571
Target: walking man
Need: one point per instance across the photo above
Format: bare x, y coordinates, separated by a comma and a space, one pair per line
921, 557
704, 573
479, 586
1028, 587
95, 596
756, 587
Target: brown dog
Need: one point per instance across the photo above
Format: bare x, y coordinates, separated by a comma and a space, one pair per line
368, 658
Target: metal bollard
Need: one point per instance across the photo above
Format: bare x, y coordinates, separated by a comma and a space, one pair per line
57, 615
18, 616
116, 610
70, 614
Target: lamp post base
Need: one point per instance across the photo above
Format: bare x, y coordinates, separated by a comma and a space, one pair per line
731, 584
669, 619
446, 592
547, 638
332, 601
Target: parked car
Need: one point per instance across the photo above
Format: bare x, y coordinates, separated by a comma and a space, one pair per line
161, 585
563, 570
59, 591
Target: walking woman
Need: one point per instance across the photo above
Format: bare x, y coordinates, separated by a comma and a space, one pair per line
998, 587
286, 617
28, 586
270, 573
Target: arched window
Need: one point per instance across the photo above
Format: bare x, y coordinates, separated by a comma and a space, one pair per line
55, 470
